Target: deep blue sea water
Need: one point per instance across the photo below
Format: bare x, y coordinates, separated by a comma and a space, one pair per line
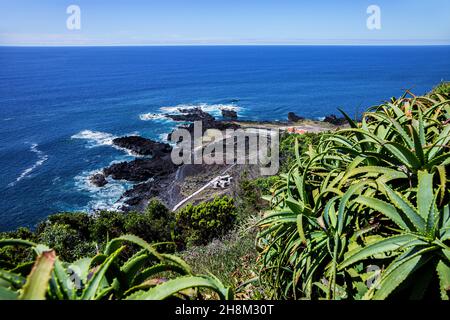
60, 107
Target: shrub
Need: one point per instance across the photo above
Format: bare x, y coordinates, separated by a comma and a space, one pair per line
106, 225
67, 241
250, 193
78, 221
197, 225
75, 235
154, 224
12, 255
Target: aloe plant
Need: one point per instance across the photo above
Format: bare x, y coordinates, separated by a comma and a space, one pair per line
420, 240
107, 275
362, 183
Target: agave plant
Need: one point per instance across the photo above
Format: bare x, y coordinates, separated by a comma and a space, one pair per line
408, 134
106, 276
318, 210
419, 241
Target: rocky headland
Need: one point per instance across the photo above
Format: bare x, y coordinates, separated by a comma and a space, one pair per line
155, 175
143, 146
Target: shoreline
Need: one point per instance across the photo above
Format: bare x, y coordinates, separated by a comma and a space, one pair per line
157, 177
174, 186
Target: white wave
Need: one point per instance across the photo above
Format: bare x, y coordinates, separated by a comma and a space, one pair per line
104, 198
152, 116
95, 138
213, 109
98, 138
42, 157
210, 108
163, 137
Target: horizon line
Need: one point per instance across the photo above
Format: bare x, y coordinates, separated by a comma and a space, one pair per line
233, 45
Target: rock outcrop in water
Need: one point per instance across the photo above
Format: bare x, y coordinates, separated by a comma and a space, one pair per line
197, 114
190, 115
98, 180
333, 119
138, 170
294, 118
143, 146
229, 114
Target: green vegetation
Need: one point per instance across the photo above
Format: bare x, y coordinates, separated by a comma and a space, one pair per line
232, 258
197, 225
76, 235
372, 195
111, 275
133, 271
287, 151
442, 88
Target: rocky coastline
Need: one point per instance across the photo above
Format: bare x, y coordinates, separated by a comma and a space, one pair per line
153, 173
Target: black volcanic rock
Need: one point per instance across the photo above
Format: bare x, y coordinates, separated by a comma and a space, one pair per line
190, 115
140, 170
219, 125
333, 119
141, 191
133, 201
98, 180
197, 114
143, 146
229, 114
294, 118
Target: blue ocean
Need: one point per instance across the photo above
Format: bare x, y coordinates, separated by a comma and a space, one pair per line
60, 108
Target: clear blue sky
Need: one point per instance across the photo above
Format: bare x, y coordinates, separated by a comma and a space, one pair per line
146, 22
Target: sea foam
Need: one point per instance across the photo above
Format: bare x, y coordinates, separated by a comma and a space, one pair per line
98, 138
152, 116
213, 109
104, 198
95, 138
42, 157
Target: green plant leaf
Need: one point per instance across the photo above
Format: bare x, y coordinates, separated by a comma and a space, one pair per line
393, 243
115, 243
400, 269
174, 286
93, 286
425, 197
402, 203
14, 280
177, 261
37, 282
386, 209
443, 271
403, 154
16, 242
63, 281
8, 294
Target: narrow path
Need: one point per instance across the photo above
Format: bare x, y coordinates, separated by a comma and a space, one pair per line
202, 188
